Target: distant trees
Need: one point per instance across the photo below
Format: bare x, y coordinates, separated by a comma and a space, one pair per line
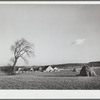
21, 48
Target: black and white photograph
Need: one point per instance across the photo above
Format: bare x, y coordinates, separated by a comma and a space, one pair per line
50, 46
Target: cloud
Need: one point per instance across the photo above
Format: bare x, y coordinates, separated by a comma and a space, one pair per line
78, 41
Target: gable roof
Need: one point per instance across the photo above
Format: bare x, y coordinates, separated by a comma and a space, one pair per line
49, 68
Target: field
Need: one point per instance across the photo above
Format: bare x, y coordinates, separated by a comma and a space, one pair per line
65, 79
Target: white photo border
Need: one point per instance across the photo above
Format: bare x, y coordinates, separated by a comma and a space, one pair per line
49, 94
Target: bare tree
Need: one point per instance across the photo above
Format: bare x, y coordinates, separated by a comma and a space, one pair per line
20, 49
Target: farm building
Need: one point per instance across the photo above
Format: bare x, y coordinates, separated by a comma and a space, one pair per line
23, 70
49, 69
56, 69
31, 69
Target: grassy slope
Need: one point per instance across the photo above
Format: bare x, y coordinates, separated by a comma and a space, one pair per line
56, 80
30, 82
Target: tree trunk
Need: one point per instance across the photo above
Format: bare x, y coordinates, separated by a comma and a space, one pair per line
13, 67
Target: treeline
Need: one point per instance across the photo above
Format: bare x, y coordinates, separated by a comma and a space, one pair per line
62, 66
5, 69
95, 64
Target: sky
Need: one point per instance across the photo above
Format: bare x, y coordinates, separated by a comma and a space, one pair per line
61, 33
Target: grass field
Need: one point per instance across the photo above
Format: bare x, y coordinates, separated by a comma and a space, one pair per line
65, 79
